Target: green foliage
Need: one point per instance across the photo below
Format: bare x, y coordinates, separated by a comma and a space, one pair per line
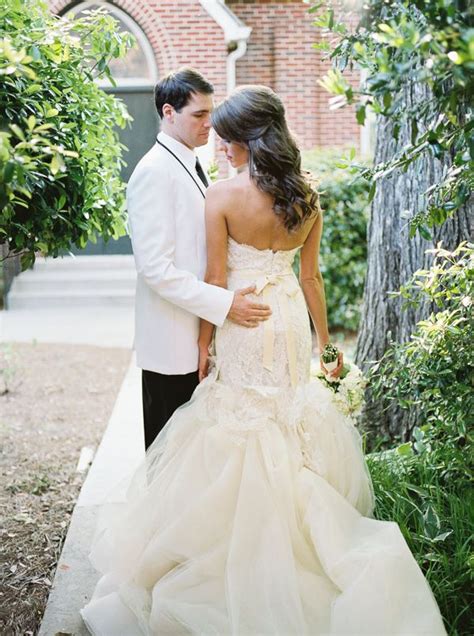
343, 252
401, 44
434, 370
213, 171
60, 156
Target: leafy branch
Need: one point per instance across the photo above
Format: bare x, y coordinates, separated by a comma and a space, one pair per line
398, 45
60, 155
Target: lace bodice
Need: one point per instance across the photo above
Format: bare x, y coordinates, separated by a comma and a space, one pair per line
278, 351
241, 256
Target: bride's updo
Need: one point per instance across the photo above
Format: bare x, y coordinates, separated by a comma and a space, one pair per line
255, 116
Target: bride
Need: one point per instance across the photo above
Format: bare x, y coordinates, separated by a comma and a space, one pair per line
253, 510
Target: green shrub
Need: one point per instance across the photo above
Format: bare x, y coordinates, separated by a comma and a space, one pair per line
60, 156
343, 252
434, 371
425, 485
429, 494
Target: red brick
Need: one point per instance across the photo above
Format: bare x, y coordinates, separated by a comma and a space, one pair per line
279, 54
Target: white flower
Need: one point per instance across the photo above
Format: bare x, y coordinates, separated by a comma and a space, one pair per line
348, 392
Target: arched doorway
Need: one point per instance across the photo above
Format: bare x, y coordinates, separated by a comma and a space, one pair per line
135, 75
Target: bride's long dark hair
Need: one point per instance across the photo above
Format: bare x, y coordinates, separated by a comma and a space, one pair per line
255, 116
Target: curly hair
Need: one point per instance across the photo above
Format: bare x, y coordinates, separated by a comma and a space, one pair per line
254, 116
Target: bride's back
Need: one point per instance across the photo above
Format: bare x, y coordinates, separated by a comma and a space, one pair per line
278, 352
251, 219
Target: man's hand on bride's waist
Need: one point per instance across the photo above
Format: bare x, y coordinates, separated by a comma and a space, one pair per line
247, 312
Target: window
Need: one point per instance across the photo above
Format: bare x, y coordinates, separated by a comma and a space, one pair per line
138, 67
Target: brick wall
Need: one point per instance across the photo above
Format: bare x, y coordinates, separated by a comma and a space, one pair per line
279, 55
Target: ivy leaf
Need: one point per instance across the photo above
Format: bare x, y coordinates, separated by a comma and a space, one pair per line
414, 130
27, 260
431, 522
372, 190
424, 232
8, 171
360, 114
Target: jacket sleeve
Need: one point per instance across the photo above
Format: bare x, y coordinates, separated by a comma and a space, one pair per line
152, 230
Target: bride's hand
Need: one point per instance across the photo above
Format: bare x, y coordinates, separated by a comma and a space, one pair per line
338, 370
203, 369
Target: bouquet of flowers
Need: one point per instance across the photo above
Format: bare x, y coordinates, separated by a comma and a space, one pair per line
329, 357
348, 388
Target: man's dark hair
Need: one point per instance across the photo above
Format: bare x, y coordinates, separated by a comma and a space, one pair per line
177, 87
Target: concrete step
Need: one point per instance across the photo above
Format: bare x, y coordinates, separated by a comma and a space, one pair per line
118, 297
74, 273
65, 281
82, 281
108, 262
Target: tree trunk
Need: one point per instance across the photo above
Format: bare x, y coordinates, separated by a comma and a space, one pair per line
392, 259
10, 266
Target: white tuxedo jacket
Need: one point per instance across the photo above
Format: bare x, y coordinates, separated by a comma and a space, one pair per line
167, 227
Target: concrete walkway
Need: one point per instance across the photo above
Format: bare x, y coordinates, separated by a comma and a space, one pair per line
103, 326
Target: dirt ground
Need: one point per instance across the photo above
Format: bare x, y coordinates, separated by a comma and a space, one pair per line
54, 400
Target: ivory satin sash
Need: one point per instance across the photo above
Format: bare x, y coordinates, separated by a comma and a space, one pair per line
286, 288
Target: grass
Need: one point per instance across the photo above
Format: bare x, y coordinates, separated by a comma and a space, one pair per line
430, 496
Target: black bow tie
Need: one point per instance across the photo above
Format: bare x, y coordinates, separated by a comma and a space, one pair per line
201, 173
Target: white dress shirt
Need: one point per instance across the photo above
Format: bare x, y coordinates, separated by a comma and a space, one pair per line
167, 227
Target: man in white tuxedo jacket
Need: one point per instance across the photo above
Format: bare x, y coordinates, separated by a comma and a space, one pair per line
165, 203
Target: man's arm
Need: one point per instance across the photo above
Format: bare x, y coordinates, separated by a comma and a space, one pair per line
152, 228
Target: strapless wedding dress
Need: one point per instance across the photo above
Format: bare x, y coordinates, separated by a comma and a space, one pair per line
252, 513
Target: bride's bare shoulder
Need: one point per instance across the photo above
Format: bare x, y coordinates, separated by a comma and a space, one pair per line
225, 191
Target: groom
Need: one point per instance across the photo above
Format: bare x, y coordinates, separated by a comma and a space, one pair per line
165, 202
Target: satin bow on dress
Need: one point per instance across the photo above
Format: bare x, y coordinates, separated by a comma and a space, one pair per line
285, 286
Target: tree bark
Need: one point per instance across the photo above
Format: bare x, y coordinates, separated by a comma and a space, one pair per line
392, 259
10, 266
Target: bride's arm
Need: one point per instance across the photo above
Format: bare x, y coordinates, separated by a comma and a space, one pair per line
216, 271
312, 282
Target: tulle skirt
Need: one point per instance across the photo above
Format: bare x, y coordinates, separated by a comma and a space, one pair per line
252, 514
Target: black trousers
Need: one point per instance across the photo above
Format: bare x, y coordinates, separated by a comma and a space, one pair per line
161, 396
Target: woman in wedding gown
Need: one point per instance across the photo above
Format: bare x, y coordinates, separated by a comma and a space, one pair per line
253, 511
